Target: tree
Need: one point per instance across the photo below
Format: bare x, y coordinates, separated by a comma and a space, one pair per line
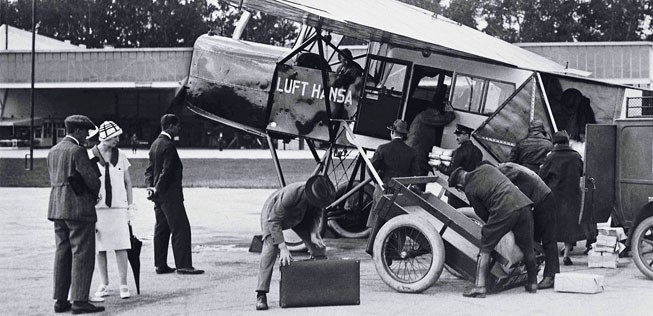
142, 23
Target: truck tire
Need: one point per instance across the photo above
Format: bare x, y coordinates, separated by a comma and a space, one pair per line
353, 223
642, 247
408, 254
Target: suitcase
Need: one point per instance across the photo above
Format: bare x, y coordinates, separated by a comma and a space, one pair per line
320, 283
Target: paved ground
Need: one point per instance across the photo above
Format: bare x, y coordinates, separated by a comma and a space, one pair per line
184, 153
223, 222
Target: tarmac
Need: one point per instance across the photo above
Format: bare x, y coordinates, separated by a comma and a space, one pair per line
184, 153
223, 222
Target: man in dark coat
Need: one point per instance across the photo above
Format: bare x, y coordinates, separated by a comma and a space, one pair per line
543, 215
531, 151
504, 208
562, 170
163, 180
426, 131
391, 160
467, 155
75, 183
297, 206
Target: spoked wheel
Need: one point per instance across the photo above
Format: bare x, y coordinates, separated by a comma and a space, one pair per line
408, 254
642, 247
353, 212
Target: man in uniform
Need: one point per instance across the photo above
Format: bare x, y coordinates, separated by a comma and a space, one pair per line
75, 183
467, 155
297, 206
543, 215
531, 151
504, 208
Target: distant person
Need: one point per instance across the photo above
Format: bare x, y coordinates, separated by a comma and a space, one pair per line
562, 170
504, 208
543, 215
134, 143
163, 178
115, 207
426, 131
391, 160
75, 185
531, 151
467, 155
297, 206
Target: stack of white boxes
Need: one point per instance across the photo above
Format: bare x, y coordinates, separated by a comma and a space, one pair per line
440, 156
605, 251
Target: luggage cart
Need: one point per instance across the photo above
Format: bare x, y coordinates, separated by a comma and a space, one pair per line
416, 234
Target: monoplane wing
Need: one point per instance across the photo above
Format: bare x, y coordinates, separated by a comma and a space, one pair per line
403, 25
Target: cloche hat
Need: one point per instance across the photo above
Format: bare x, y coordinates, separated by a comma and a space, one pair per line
109, 129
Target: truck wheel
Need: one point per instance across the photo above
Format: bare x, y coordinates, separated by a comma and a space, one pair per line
355, 210
408, 254
642, 247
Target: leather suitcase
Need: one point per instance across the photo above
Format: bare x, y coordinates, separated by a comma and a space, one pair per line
320, 283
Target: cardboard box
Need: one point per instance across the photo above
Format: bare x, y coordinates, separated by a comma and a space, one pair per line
597, 247
606, 230
601, 259
578, 283
608, 241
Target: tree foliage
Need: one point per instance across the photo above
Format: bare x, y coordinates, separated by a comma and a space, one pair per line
177, 23
142, 23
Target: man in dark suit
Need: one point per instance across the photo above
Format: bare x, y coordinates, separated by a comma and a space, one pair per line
393, 159
297, 206
75, 183
163, 180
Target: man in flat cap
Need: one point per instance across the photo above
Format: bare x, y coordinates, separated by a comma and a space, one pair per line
531, 151
467, 155
504, 208
393, 159
75, 183
297, 206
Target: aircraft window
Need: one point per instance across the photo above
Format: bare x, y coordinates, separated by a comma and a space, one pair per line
395, 79
497, 93
467, 93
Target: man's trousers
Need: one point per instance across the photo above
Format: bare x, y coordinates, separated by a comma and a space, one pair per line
74, 259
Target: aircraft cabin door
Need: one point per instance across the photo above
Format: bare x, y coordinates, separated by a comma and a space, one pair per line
384, 95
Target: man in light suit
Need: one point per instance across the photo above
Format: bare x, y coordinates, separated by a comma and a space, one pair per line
163, 180
75, 183
297, 206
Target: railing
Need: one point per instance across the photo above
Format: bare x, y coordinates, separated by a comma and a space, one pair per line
639, 107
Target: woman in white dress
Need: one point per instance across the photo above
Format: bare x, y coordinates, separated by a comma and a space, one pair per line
115, 206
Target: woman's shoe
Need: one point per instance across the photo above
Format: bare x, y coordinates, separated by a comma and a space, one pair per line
567, 261
102, 290
124, 291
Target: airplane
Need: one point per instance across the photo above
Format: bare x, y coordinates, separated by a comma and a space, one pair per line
408, 54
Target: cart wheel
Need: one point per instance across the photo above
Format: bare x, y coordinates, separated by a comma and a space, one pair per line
408, 254
642, 247
355, 210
